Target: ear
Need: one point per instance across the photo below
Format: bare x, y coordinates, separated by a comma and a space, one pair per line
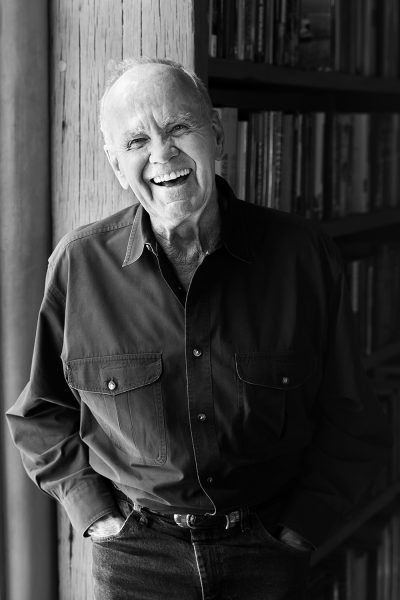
114, 162
218, 133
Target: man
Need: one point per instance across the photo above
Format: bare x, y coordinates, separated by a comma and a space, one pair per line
197, 402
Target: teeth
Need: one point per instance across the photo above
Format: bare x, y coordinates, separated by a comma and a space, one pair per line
170, 176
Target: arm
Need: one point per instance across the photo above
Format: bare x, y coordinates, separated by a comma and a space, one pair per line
352, 439
44, 424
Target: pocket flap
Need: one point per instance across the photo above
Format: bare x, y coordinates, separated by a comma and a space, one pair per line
283, 371
113, 375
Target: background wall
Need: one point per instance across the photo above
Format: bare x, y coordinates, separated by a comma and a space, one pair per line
28, 552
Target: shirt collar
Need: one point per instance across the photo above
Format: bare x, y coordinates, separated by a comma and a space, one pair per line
141, 235
235, 233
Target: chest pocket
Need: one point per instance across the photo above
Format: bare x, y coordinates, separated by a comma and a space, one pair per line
123, 395
270, 389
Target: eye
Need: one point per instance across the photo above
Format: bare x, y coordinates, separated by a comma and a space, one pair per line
178, 128
137, 142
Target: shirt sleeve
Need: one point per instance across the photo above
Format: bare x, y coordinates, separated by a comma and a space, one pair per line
44, 424
352, 439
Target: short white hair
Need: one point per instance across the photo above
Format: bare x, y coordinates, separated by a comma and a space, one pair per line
121, 67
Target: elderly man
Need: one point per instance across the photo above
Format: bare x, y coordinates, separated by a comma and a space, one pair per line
196, 402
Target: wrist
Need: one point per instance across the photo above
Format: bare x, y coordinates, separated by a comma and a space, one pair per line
294, 539
106, 524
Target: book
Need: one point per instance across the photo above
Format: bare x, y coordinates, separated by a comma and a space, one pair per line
227, 166
291, 33
242, 135
250, 29
358, 201
212, 27
241, 22
259, 53
316, 34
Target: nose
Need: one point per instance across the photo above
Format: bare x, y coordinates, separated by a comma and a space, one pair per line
162, 150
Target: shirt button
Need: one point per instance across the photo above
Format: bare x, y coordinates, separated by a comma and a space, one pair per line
201, 417
285, 380
210, 480
111, 385
197, 352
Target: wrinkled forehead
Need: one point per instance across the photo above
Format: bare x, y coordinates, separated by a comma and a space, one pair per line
150, 89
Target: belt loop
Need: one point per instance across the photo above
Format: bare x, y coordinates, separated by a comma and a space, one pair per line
245, 519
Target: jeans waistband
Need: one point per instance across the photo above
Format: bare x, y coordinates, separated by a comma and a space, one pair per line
268, 512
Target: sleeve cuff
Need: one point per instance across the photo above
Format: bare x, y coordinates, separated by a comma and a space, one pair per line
88, 502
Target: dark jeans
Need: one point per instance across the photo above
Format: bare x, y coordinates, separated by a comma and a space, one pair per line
152, 558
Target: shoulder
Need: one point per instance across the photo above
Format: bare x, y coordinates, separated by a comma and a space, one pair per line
288, 234
94, 232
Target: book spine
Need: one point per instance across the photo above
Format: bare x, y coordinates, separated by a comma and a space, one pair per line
242, 136
227, 166
359, 201
241, 20
250, 29
259, 54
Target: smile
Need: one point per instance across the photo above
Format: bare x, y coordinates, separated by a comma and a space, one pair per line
171, 179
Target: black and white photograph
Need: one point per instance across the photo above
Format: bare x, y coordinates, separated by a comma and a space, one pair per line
200, 300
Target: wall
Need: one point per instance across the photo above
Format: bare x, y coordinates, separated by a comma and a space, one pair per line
28, 555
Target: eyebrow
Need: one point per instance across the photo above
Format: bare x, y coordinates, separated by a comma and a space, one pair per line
186, 118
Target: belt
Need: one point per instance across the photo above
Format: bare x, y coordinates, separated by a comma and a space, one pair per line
218, 521
228, 520
190, 521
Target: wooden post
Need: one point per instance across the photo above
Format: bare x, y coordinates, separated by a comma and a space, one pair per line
28, 563
87, 36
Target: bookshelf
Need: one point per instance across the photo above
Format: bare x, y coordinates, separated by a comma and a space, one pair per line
382, 355
260, 86
368, 511
355, 82
363, 224
246, 73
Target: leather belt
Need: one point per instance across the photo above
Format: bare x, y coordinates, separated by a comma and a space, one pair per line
227, 521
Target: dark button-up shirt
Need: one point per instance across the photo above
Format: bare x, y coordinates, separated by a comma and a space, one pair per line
245, 390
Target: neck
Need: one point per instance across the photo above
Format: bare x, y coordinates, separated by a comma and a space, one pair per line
187, 244
192, 238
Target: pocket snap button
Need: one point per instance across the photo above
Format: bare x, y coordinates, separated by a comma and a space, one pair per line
285, 380
111, 385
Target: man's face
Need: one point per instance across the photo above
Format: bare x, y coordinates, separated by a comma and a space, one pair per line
162, 143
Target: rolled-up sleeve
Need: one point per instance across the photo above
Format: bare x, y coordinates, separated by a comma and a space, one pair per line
352, 438
44, 424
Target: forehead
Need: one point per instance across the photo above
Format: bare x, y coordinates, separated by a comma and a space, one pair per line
150, 91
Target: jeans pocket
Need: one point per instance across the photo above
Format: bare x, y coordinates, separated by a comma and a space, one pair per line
126, 526
276, 543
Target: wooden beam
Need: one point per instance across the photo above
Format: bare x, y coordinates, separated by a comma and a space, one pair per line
87, 37
28, 565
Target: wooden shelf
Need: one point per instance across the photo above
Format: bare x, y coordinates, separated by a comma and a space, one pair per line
354, 224
257, 74
373, 508
256, 85
380, 356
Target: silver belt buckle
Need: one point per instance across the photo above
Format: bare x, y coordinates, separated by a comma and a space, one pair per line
184, 520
